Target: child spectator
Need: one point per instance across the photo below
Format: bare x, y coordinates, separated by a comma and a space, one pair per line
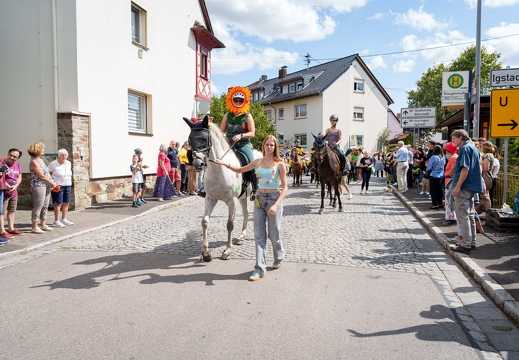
137, 181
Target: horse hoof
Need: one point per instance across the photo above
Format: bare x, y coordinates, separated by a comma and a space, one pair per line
226, 254
239, 241
321, 211
207, 258
341, 209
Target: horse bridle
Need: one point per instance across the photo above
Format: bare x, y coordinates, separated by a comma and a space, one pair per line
319, 154
200, 149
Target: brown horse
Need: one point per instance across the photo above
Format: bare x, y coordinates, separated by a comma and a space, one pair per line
297, 167
329, 168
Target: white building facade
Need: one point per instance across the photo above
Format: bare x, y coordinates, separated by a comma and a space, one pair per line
301, 103
101, 78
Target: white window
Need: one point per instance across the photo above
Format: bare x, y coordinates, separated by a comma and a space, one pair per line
203, 65
137, 112
281, 113
292, 88
138, 25
358, 113
269, 114
300, 111
302, 139
358, 85
360, 141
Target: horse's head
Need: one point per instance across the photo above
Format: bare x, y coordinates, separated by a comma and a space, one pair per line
320, 147
294, 154
200, 141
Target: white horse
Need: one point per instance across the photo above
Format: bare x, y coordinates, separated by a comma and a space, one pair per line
220, 183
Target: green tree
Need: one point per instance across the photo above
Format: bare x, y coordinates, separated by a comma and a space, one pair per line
262, 123
429, 87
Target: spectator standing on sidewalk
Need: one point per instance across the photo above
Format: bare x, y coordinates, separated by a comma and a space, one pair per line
13, 179
268, 208
137, 180
184, 163
164, 189
138, 151
467, 182
41, 186
174, 173
487, 163
61, 172
451, 156
495, 171
426, 187
402, 164
436, 166
4, 236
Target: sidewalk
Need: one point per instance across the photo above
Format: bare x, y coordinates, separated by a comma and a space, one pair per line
86, 220
495, 263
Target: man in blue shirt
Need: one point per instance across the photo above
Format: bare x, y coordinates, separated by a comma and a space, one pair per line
402, 164
466, 181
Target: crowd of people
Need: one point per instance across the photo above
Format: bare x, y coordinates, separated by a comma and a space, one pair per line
47, 181
458, 176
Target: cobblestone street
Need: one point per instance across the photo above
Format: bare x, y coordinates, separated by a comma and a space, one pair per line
374, 231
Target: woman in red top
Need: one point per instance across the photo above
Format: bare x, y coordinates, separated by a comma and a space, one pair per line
450, 216
163, 189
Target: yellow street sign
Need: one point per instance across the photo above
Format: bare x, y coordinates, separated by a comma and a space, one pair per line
504, 113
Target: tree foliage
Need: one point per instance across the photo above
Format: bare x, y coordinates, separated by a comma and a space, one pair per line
262, 123
429, 88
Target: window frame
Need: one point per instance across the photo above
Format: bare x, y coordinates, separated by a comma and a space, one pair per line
204, 57
281, 113
139, 35
303, 139
355, 113
143, 122
356, 84
269, 114
297, 112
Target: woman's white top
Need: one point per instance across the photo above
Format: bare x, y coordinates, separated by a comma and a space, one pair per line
497, 165
61, 173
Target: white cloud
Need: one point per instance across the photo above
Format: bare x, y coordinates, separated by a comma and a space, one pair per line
270, 20
419, 19
377, 16
506, 46
377, 62
404, 66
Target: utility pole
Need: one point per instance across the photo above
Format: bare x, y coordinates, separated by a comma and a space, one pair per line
478, 71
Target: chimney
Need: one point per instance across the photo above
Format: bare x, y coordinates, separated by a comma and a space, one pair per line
263, 77
283, 72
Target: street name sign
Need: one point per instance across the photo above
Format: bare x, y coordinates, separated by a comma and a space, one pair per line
504, 113
419, 131
504, 77
418, 117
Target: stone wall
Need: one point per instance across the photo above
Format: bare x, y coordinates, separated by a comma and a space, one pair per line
74, 136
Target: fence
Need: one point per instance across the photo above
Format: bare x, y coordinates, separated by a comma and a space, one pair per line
513, 188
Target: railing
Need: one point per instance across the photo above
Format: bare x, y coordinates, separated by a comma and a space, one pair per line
513, 188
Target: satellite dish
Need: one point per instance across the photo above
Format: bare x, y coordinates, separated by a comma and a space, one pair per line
203, 107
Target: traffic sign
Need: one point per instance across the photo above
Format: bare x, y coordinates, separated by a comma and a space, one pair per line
418, 122
418, 117
456, 81
418, 112
504, 77
504, 113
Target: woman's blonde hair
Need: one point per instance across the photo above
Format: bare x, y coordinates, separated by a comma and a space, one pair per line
62, 151
487, 148
36, 149
276, 145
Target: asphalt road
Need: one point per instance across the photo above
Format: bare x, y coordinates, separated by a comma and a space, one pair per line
366, 283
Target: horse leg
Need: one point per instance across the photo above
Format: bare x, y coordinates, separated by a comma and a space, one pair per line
207, 255
338, 194
322, 198
230, 226
245, 212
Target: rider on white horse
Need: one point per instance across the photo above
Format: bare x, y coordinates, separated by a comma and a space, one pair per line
239, 126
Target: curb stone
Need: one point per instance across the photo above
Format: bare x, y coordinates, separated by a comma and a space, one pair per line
496, 292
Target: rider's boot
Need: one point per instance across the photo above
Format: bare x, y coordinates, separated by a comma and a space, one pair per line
254, 183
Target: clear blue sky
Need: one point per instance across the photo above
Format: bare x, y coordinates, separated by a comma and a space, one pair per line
263, 35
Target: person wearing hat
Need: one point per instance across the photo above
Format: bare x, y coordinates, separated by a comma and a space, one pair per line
451, 156
239, 126
138, 152
334, 139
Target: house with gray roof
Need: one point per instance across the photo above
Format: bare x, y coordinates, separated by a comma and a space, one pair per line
301, 103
